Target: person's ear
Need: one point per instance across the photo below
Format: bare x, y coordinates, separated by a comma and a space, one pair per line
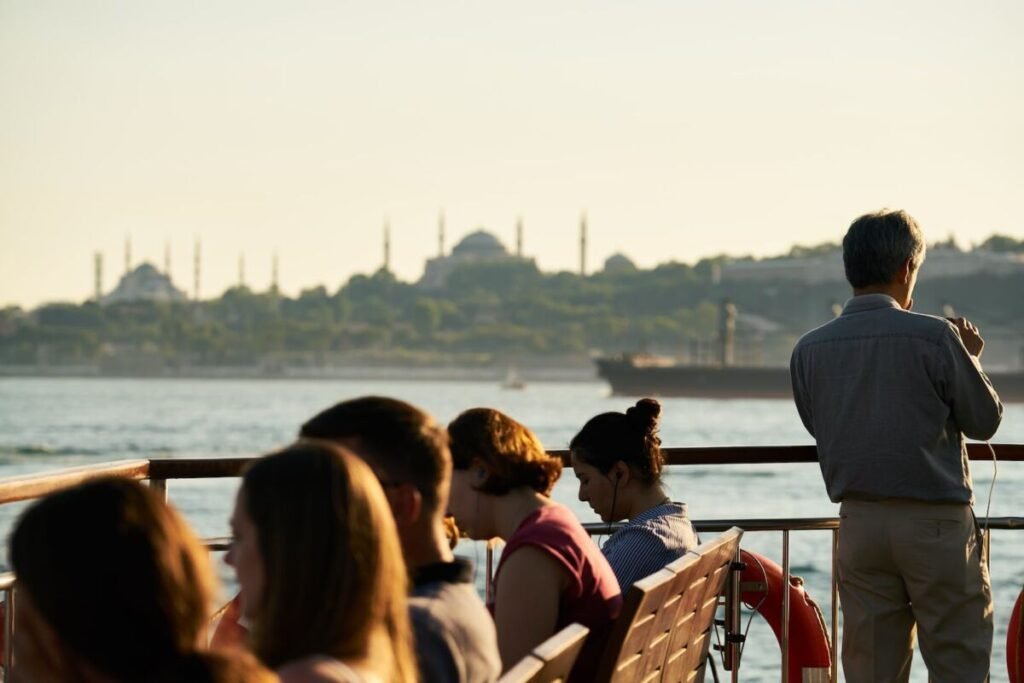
620, 473
415, 504
406, 504
480, 473
906, 271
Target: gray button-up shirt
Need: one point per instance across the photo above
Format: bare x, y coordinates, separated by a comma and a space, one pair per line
889, 395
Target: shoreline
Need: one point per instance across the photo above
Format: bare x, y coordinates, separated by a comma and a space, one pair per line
427, 374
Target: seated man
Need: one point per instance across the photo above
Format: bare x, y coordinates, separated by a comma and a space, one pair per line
454, 634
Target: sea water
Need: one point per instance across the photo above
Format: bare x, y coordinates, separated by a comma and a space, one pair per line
47, 424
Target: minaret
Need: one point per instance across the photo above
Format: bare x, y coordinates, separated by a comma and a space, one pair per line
127, 255
387, 245
195, 272
583, 245
167, 259
98, 276
440, 235
241, 269
273, 275
519, 237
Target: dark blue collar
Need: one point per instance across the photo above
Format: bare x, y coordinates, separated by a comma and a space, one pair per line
459, 570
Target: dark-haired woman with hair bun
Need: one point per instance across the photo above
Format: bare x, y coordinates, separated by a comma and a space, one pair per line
618, 461
551, 573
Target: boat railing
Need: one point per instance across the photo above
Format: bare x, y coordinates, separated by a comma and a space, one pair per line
159, 471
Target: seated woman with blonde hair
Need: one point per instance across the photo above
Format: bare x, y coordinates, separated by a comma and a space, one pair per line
112, 586
323, 584
550, 573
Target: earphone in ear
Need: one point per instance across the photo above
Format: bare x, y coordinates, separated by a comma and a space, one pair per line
481, 474
615, 495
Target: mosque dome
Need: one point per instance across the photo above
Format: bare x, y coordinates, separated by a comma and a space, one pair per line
145, 283
481, 245
619, 263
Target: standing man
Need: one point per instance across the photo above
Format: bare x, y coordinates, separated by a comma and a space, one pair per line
454, 635
889, 396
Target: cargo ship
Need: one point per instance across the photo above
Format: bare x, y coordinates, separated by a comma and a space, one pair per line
651, 375
645, 375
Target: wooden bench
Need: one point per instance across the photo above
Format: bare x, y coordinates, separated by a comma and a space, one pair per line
552, 660
663, 632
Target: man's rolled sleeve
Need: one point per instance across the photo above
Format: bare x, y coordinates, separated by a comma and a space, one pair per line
975, 405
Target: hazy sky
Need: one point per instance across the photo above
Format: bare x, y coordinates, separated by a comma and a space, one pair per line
683, 129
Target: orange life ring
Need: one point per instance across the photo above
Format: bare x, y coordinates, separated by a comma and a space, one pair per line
1015, 642
809, 646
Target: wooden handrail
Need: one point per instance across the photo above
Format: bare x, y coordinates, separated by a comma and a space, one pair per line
200, 468
771, 455
34, 485
197, 468
29, 486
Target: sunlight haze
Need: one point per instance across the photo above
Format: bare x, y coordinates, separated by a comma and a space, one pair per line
682, 129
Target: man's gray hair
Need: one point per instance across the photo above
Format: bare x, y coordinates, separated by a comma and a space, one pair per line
878, 244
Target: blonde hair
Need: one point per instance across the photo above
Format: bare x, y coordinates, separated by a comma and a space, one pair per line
334, 574
143, 564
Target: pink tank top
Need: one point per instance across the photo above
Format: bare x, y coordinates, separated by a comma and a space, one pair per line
592, 597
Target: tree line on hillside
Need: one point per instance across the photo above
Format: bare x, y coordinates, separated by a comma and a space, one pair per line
484, 312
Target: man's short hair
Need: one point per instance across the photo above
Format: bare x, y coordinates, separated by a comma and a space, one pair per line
401, 442
878, 244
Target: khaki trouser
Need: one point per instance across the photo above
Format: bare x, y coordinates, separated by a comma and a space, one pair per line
902, 563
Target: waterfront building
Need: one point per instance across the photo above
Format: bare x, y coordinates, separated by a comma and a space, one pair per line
944, 260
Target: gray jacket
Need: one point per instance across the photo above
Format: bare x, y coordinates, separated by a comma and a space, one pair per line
454, 634
889, 395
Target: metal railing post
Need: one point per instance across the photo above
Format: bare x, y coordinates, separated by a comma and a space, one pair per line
834, 674
9, 608
733, 619
489, 574
160, 487
785, 606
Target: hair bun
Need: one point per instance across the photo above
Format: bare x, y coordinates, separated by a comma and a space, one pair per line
645, 414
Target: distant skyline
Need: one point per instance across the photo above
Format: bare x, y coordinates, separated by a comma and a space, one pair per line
683, 129
259, 278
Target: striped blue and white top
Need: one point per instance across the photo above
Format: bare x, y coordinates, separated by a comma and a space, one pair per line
648, 542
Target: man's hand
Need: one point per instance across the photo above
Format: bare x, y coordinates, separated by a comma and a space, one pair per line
970, 336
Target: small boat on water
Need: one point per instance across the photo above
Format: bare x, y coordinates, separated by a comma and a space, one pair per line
645, 375
513, 381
